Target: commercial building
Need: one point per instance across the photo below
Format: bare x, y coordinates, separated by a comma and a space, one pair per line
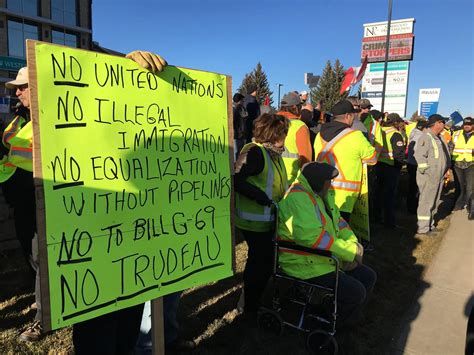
65, 22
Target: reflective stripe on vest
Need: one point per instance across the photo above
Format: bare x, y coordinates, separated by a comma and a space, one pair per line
267, 215
387, 149
326, 153
287, 154
324, 240
435, 146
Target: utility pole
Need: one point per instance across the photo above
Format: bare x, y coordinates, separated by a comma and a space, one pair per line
279, 86
387, 50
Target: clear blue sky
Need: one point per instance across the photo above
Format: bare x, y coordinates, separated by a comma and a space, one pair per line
292, 37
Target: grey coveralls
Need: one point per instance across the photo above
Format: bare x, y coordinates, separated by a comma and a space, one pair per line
432, 157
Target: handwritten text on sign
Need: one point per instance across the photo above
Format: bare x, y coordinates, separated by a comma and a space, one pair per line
136, 180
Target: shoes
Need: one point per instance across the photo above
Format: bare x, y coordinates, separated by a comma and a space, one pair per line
181, 345
33, 333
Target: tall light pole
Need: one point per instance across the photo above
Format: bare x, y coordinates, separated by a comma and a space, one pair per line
279, 86
387, 50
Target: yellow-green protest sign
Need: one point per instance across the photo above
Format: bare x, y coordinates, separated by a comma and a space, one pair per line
135, 173
359, 221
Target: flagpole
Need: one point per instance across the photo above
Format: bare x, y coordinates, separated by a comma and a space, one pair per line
387, 50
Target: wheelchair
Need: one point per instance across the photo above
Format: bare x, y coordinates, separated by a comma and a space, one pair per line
295, 303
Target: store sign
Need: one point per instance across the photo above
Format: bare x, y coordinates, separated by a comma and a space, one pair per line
9, 63
396, 27
401, 48
428, 101
374, 42
396, 88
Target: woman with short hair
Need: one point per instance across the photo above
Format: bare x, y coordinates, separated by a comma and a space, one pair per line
260, 179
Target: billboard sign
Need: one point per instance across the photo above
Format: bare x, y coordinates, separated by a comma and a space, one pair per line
401, 40
401, 48
397, 27
428, 101
396, 89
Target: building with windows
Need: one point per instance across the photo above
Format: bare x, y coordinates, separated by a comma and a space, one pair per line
65, 22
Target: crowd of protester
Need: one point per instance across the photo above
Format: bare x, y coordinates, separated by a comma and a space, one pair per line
308, 161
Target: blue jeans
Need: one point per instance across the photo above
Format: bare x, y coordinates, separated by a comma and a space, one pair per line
170, 311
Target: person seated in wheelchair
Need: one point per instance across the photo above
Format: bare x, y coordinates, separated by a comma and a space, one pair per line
309, 217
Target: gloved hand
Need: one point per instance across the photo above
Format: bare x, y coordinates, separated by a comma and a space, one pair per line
148, 60
359, 254
264, 201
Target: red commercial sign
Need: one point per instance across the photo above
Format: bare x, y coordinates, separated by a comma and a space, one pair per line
401, 48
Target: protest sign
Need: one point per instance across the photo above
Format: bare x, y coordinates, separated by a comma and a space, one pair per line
133, 178
360, 214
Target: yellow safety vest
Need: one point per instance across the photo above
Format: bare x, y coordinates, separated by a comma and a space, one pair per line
374, 131
346, 152
249, 215
462, 150
290, 155
409, 128
18, 138
386, 156
303, 219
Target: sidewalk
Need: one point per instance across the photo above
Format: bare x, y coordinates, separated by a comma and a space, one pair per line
437, 322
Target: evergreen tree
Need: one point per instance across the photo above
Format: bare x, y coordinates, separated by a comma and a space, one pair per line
323, 91
329, 85
247, 81
259, 78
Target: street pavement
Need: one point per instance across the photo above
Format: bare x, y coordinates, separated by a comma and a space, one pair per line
437, 321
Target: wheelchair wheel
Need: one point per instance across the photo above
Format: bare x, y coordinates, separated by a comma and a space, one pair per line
269, 323
320, 342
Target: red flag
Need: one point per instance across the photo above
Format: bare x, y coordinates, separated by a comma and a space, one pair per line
349, 77
267, 101
361, 73
353, 75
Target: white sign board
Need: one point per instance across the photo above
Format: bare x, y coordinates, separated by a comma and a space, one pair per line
397, 27
396, 89
428, 101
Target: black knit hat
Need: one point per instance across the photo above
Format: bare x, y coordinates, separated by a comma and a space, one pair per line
317, 173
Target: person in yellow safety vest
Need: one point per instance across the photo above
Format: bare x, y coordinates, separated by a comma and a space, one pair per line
260, 179
345, 149
462, 153
298, 150
309, 217
409, 128
432, 156
391, 160
374, 130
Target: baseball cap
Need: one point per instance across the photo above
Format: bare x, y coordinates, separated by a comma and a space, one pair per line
343, 107
394, 117
365, 103
468, 121
21, 79
303, 93
291, 99
435, 118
